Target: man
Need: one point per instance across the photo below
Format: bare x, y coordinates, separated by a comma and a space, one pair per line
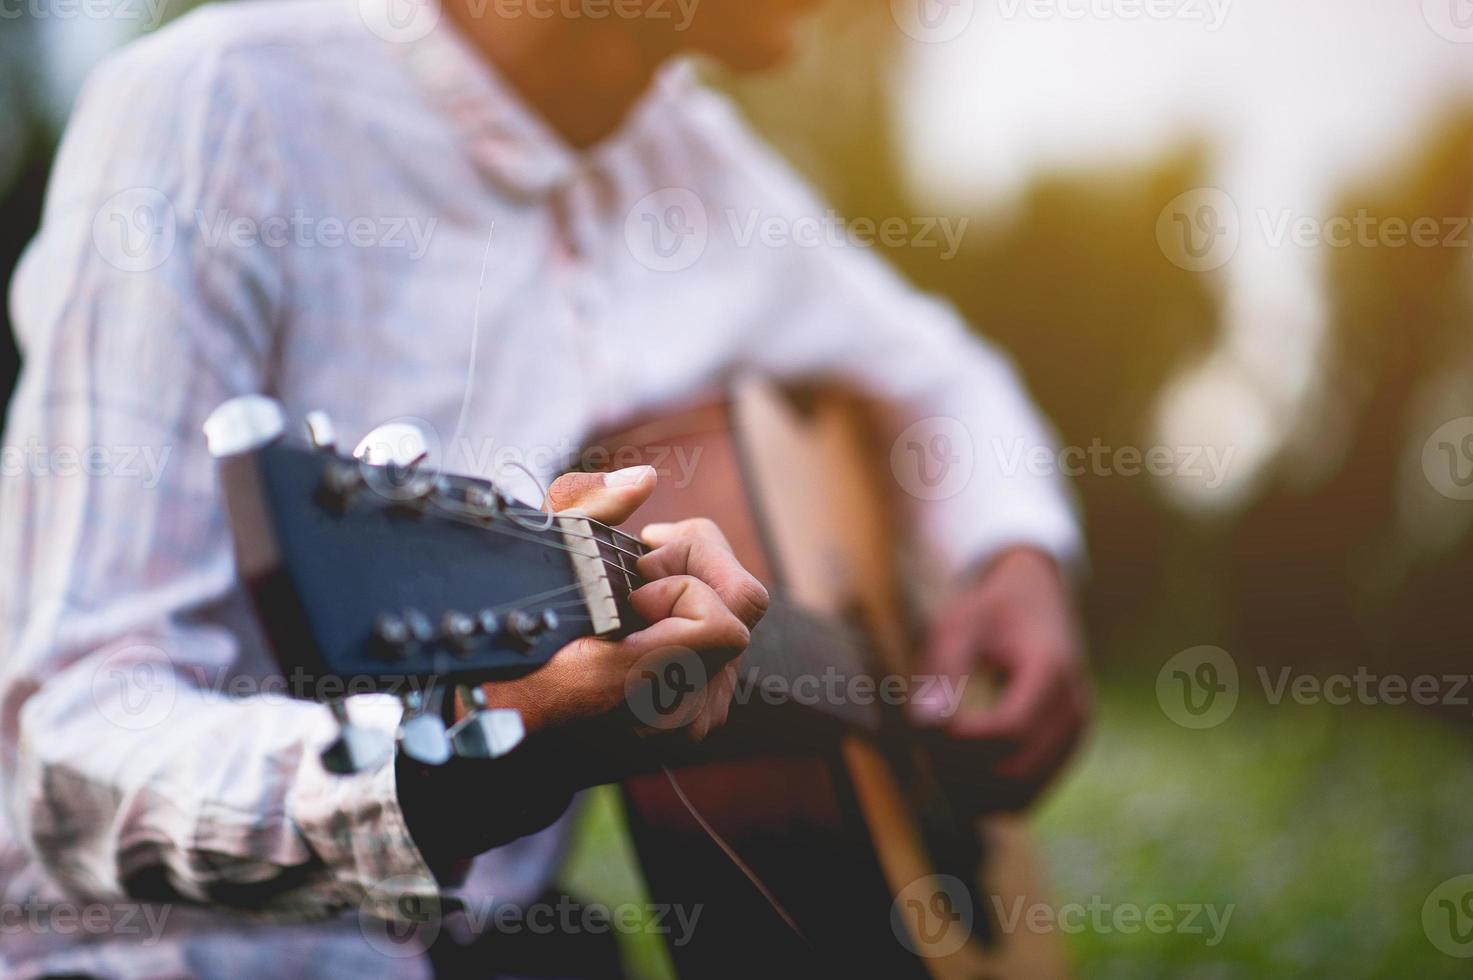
479, 218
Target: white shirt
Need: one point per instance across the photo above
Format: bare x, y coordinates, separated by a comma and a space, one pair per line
273, 198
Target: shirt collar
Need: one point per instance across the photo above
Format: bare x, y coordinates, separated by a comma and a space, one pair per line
503, 134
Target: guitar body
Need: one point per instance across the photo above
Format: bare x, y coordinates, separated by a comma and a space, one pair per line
855, 839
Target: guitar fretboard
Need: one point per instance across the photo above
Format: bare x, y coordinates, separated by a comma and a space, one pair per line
791, 647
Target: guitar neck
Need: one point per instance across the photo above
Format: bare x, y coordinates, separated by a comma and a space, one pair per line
796, 659
815, 664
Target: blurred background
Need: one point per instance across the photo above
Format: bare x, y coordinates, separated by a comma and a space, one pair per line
1152, 190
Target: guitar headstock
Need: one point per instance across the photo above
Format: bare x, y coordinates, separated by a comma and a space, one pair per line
372, 573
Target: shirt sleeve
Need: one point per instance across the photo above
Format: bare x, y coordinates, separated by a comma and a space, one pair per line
963, 436
145, 753
967, 447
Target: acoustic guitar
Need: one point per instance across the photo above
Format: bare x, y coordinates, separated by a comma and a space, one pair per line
816, 830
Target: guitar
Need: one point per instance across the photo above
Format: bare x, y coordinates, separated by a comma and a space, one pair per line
813, 829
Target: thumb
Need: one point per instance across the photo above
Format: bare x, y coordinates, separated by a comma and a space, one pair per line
950, 657
606, 497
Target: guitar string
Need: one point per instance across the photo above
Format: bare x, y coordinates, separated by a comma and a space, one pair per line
735, 858
853, 633
636, 555
633, 539
545, 517
630, 574
537, 597
470, 364
599, 540
478, 520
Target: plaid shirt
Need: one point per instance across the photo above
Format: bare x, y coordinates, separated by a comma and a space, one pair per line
286, 198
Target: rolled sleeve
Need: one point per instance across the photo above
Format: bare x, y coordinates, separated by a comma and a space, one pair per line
354, 826
141, 753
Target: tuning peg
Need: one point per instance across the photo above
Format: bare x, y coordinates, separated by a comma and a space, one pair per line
356, 749
486, 733
391, 637
459, 631
487, 502
487, 622
340, 484
393, 444
526, 627
394, 451
422, 734
320, 432
243, 425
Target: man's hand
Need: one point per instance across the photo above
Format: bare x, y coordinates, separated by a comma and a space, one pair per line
1015, 619
697, 599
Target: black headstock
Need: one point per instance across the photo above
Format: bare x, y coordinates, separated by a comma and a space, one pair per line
383, 576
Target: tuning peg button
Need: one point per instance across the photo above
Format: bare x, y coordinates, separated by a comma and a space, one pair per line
320, 431
488, 623
422, 734
486, 733
390, 637
398, 444
484, 502
458, 630
526, 627
340, 483
421, 630
244, 424
423, 738
489, 734
395, 636
356, 749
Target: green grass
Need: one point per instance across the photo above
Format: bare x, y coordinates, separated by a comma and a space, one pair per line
602, 868
1325, 828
